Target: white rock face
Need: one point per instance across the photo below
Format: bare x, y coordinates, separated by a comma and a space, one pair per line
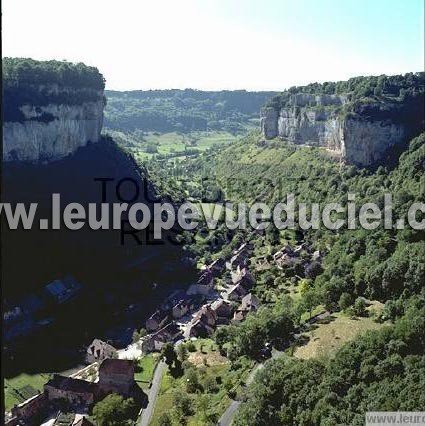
313, 120
269, 123
34, 140
365, 142
317, 128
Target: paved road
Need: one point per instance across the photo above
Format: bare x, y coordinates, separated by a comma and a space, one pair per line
228, 416
153, 393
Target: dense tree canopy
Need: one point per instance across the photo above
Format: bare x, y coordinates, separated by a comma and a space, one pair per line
183, 110
356, 88
39, 83
114, 410
382, 370
26, 71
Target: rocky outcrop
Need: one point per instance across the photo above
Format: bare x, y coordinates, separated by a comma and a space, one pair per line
365, 143
55, 130
320, 120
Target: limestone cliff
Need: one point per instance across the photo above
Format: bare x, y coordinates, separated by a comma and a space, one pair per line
361, 131
51, 108
52, 131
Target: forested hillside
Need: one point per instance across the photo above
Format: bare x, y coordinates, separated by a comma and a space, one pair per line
364, 277
27, 81
384, 370
183, 110
402, 88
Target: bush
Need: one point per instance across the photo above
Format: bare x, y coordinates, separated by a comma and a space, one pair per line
359, 308
345, 301
191, 347
210, 384
114, 410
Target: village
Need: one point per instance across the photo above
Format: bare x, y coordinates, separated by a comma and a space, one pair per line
184, 315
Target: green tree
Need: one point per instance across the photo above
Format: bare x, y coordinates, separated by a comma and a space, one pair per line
309, 301
165, 420
169, 354
210, 384
359, 308
304, 286
345, 301
182, 404
192, 380
182, 352
114, 410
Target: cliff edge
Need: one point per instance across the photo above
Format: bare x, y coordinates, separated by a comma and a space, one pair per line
51, 108
361, 120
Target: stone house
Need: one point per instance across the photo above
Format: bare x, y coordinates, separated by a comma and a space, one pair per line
151, 343
222, 308
173, 299
239, 260
299, 249
237, 292
286, 256
29, 409
204, 284
243, 277
155, 341
116, 375
199, 329
240, 257
217, 266
180, 309
76, 391
99, 350
62, 291
250, 303
156, 320
317, 256
245, 247
207, 315
287, 249
170, 332
203, 324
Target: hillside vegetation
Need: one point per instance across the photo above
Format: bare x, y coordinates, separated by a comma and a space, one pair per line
383, 369
183, 111
27, 71
39, 83
398, 88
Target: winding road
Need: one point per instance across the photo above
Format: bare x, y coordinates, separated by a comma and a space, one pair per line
153, 394
228, 416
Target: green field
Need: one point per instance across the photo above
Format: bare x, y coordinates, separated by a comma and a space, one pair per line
325, 339
22, 387
145, 369
217, 402
142, 145
209, 363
